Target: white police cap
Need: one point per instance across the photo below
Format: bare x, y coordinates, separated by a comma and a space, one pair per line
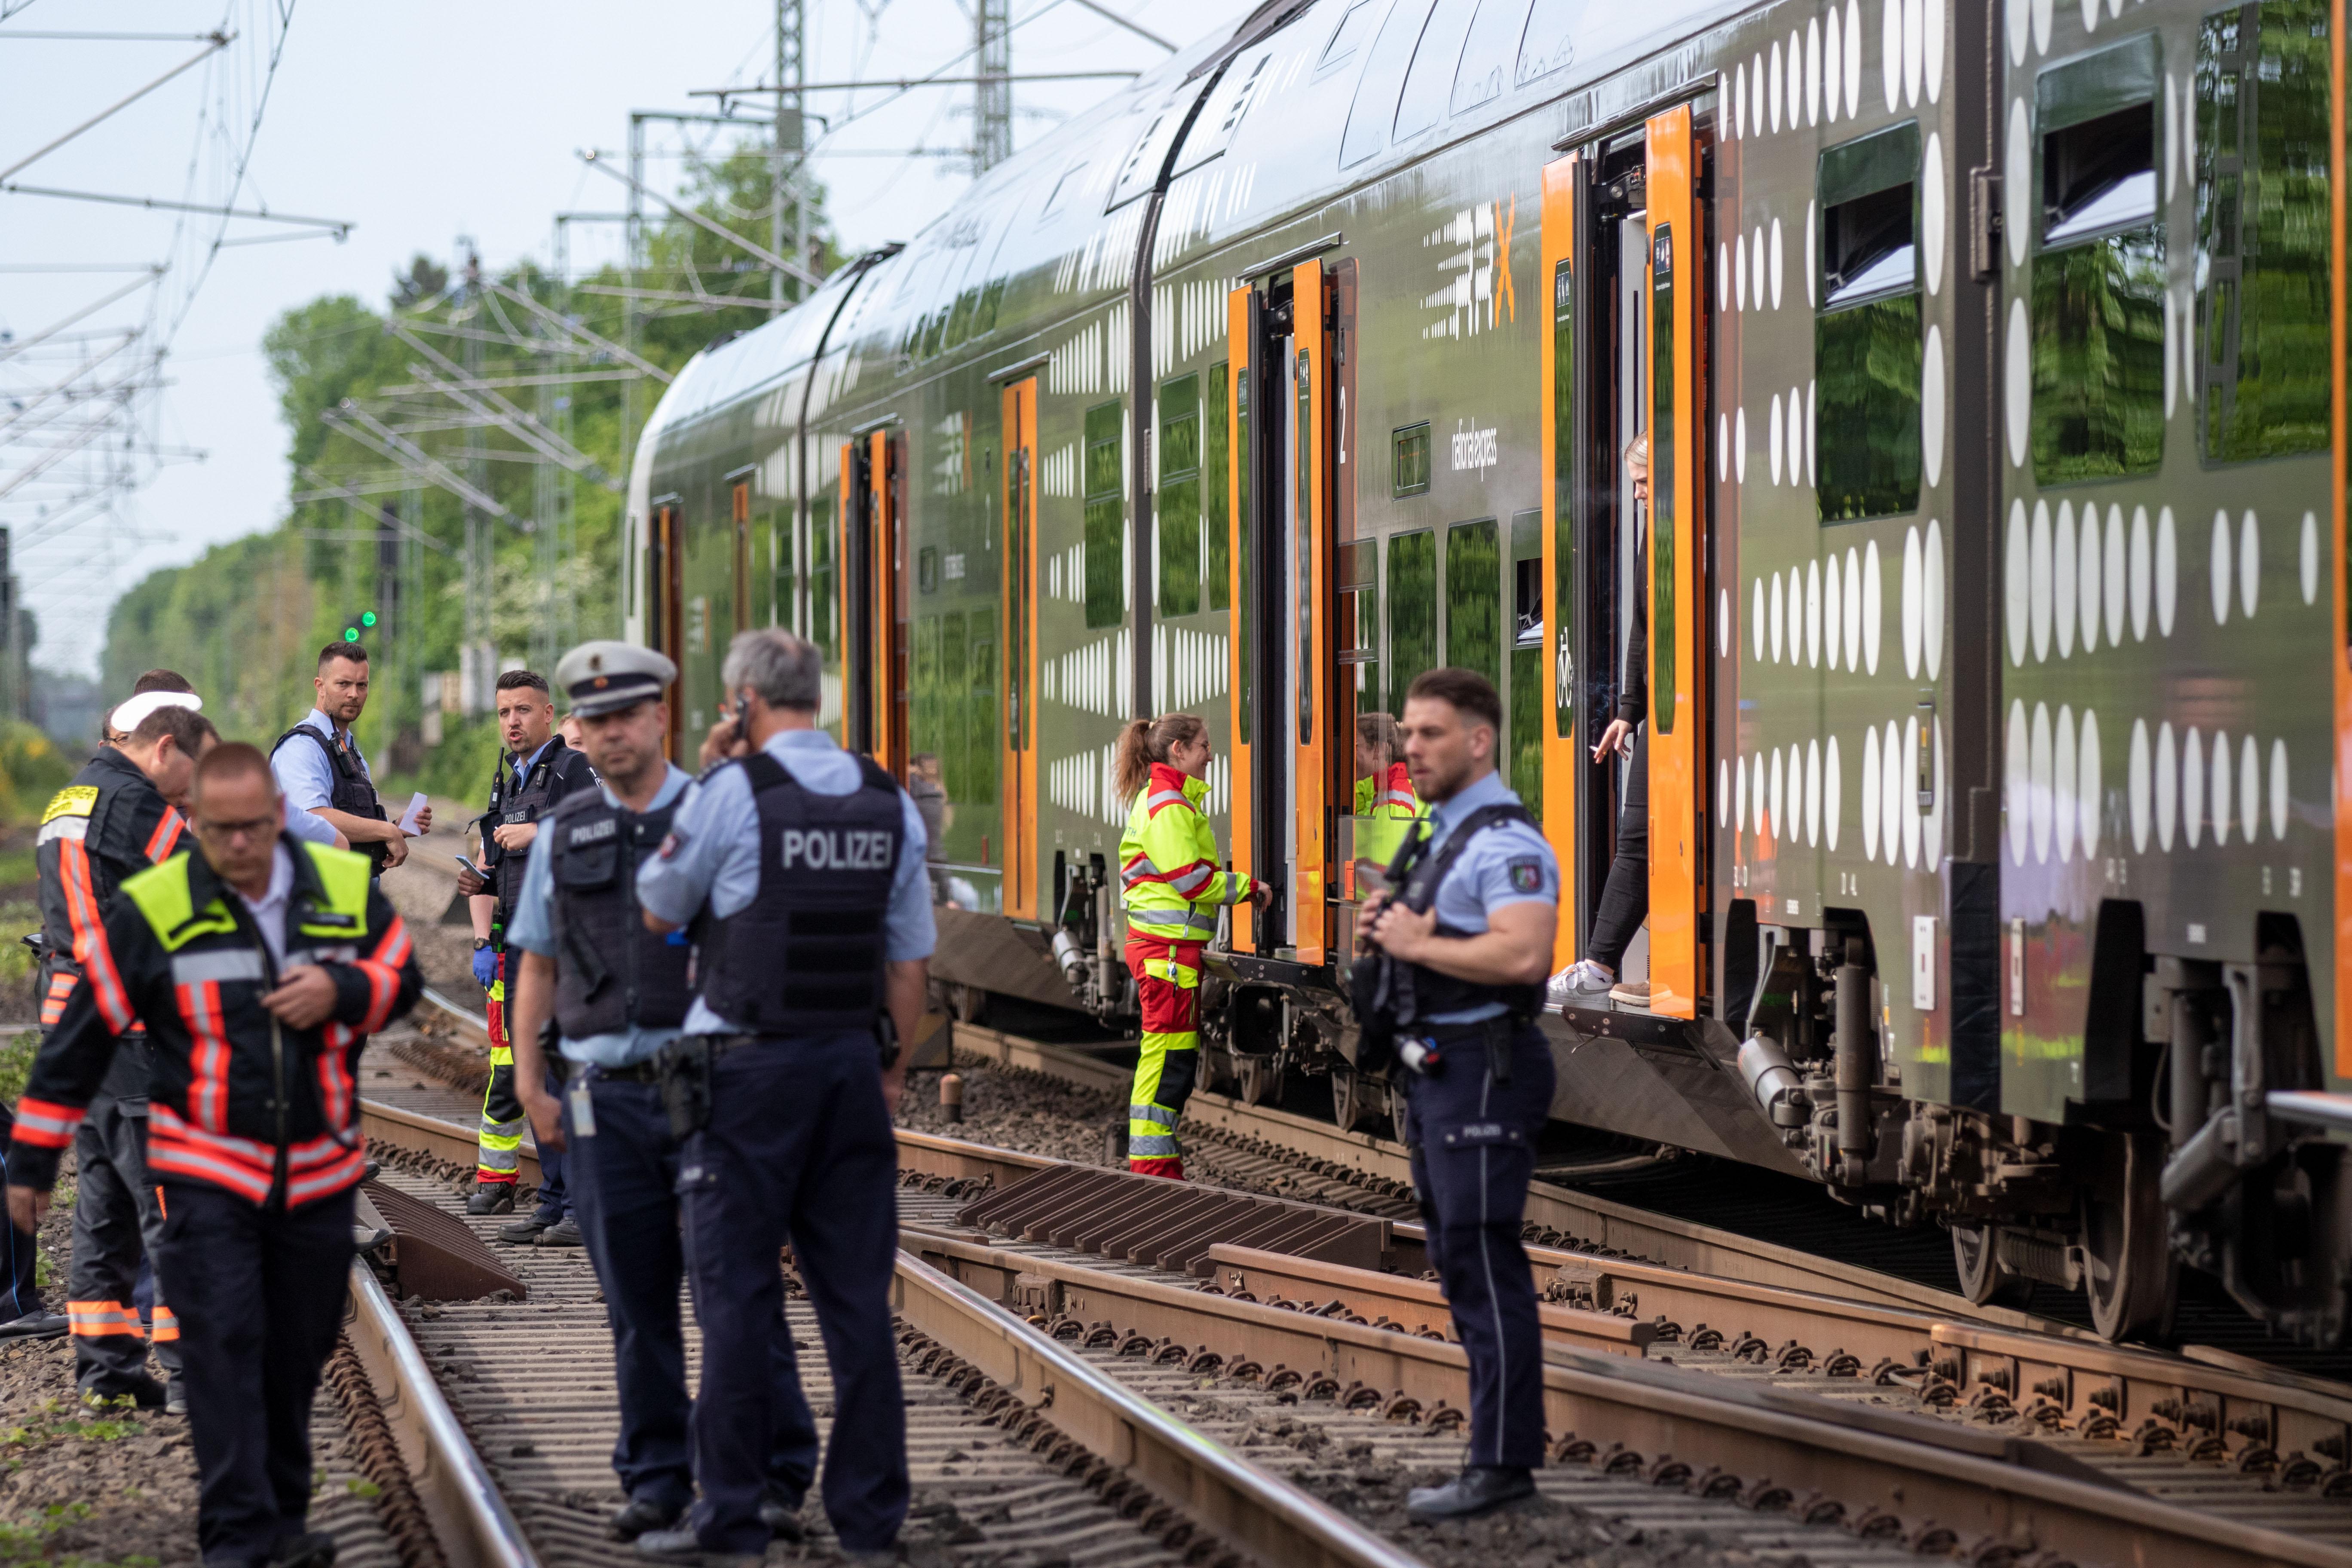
604, 676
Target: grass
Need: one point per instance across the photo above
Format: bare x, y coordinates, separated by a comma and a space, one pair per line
59, 1420
27, 1540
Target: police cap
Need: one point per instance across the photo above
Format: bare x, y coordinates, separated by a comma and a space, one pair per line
605, 675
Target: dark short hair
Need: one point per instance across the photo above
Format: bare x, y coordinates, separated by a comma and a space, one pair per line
516, 679
162, 681
1471, 693
353, 651
186, 727
231, 760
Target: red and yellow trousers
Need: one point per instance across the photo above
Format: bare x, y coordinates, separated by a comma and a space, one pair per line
1168, 984
499, 1159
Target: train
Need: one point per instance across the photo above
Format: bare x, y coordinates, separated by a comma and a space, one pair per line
1992, 362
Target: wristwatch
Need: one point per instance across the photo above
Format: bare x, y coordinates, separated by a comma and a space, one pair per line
480, 943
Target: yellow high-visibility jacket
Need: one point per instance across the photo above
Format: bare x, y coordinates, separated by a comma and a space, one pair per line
1388, 802
1168, 866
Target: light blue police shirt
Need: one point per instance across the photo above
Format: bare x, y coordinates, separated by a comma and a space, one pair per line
310, 829
1508, 863
714, 854
303, 773
534, 932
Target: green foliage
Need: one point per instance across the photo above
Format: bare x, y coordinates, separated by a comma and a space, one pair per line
88, 1420
17, 1052
245, 620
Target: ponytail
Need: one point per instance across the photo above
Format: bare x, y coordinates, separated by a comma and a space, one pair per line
1144, 741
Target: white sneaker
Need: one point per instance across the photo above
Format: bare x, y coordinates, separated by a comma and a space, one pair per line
1583, 981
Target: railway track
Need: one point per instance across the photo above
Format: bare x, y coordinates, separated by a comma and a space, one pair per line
1903, 1428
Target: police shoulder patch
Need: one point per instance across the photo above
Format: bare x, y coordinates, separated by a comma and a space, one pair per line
74, 800
671, 843
1526, 872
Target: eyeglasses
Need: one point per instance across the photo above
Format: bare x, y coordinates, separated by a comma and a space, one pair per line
252, 827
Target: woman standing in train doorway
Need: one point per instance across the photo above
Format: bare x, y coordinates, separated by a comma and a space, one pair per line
1626, 897
1171, 885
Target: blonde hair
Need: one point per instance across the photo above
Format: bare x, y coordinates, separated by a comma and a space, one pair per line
1637, 452
1148, 741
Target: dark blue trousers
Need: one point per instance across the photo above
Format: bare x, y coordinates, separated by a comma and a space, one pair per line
555, 1198
1473, 1142
19, 1296
259, 1292
625, 1202
799, 1148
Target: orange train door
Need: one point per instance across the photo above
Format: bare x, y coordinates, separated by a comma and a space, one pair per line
1677, 735
740, 522
1562, 763
888, 576
848, 581
1242, 337
1309, 509
664, 539
1020, 642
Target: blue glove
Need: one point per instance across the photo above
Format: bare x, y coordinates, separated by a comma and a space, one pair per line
486, 966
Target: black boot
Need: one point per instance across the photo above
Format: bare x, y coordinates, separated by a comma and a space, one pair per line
312, 1549
491, 1197
782, 1518
641, 1515
1478, 1490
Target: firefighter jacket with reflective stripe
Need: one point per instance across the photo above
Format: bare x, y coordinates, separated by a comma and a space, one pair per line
1168, 867
1389, 796
520, 798
108, 824
610, 971
352, 790
239, 1101
806, 955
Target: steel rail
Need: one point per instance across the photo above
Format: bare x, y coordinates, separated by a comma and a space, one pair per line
1275, 1521
469, 1518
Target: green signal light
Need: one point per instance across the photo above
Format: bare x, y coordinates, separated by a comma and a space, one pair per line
351, 633
367, 618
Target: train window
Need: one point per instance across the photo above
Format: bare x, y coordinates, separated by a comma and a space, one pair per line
1526, 695
1487, 56
1413, 611
2099, 270
1550, 42
1473, 599
1179, 495
1866, 340
1376, 90
980, 713
1216, 495
1665, 607
927, 569
783, 552
1409, 460
1105, 523
1564, 481
926, 725
1349, 35
2261, 228
1360, 619
1429, 84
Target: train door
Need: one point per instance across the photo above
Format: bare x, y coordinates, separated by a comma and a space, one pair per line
664, 608
1567, 222
1283, 443
875, 590
1020, 642
1677, 601
1243, 331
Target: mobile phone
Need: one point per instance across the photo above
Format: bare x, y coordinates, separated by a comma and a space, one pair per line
470, 866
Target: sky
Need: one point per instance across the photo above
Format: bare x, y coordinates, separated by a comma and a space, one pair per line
415, 125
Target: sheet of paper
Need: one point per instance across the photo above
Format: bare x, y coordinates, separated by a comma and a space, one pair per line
408, 819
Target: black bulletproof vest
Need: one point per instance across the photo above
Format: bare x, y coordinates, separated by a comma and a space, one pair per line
350, 789
516, 799
610, 971
1420, 874
804, 956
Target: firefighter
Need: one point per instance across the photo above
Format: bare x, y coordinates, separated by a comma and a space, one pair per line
1384, 798
260, 965
111, 822
537, 770
1171, 885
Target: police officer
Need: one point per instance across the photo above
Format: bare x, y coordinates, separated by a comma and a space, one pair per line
803, 867
1467, 938
279, 957
320, 770
536, 771
579, 950
110, 823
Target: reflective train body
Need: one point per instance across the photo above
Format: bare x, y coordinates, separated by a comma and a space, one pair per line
1991, 361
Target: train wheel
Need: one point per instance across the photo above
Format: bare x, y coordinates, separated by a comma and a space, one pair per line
1355, 1098
1396, 1105
1261, 1076
1983, 1280
2130, 1275
1217, 1075
967, 1002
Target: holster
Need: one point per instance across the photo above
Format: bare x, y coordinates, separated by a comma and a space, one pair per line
685, 1067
